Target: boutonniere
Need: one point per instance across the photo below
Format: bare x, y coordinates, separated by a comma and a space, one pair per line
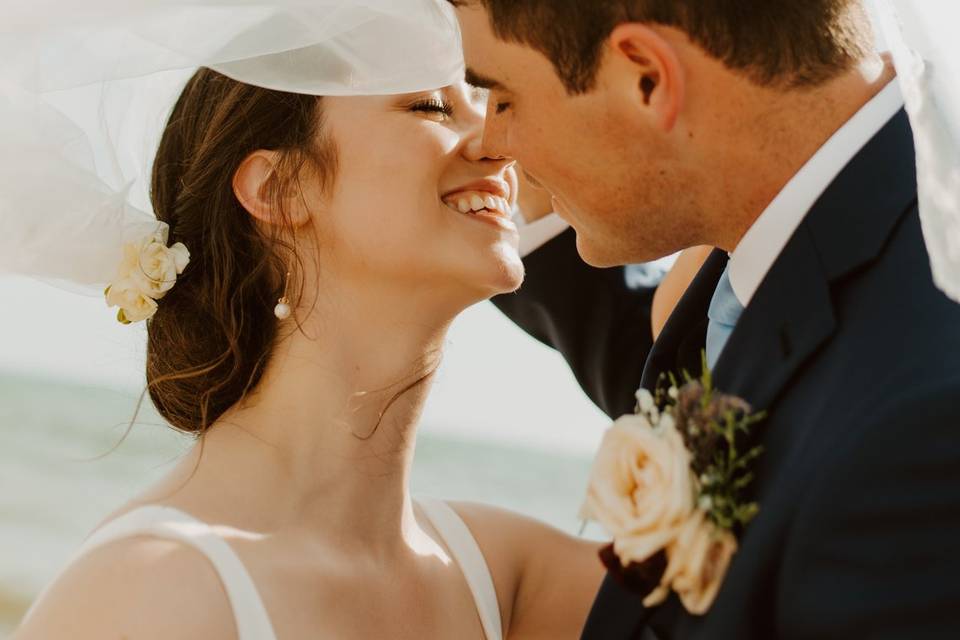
668, 484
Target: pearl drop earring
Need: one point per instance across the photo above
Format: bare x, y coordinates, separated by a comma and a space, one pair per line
282, 310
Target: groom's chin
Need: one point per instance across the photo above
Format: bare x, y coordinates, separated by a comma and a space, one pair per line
599, 254
606, 252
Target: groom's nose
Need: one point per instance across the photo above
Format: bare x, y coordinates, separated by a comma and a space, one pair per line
494, 138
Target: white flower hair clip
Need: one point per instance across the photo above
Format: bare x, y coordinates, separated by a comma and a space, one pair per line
148, 270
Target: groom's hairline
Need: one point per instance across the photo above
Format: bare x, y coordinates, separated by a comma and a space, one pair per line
576, 58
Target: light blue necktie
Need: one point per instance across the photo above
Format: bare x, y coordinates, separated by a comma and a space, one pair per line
724, 312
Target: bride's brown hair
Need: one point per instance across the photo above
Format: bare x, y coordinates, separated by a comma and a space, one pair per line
214, 332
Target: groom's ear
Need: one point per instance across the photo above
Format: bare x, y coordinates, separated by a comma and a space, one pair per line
650, 63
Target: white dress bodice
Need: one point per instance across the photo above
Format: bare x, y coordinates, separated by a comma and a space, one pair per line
252, 619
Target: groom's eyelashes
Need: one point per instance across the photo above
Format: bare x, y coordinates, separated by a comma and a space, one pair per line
500, 107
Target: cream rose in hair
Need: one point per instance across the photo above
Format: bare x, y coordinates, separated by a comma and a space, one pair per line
134, 305
155, 266
148, 271
641, 488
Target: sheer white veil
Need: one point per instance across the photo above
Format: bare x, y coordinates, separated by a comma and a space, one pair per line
926, 50
86, 87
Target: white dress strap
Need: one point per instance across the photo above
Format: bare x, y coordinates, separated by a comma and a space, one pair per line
253, 622
468, 555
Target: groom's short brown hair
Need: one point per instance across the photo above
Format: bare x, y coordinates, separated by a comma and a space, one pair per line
788, 43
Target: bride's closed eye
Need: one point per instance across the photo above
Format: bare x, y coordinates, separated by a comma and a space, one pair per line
435, 107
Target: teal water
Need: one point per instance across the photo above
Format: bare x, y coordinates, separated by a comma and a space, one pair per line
53, 491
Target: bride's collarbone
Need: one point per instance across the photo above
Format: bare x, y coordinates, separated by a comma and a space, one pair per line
428, 598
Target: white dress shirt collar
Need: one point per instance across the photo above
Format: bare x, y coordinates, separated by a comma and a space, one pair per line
765, 240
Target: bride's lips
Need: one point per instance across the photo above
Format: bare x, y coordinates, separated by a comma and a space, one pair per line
487, 200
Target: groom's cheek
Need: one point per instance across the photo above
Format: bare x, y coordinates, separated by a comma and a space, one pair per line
533, 200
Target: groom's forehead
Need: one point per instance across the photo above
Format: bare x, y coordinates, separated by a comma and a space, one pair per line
491, 61
480, 47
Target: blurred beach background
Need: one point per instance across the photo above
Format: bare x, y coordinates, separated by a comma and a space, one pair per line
506, 424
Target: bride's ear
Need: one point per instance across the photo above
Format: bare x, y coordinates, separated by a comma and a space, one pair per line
651, 65
256, 184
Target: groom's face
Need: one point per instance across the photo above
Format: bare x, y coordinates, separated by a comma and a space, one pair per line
615, 175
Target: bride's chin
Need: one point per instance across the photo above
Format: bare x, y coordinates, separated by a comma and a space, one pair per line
510, 272
500, 277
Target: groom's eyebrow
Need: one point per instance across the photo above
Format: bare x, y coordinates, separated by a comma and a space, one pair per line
480, 81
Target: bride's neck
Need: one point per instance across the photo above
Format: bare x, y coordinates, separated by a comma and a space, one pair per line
327, 439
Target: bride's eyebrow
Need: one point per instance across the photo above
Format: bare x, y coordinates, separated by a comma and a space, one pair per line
480, 81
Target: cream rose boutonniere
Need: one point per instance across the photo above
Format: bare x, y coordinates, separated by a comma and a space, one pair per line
642, 489
667, 484
149, 270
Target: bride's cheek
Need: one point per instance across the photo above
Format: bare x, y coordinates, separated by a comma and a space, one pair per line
439, 140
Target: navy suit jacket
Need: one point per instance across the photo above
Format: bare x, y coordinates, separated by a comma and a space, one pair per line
855, 356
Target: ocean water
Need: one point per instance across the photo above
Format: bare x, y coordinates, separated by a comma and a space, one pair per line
56, 484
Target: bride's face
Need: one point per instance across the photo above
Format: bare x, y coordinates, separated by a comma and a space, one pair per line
407, 168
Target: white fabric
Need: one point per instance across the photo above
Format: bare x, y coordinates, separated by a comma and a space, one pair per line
85, 89
468, 555
761, 245
252, 619
318, 47
922, 37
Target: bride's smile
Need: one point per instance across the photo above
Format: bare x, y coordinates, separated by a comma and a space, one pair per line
416, 202
485, 200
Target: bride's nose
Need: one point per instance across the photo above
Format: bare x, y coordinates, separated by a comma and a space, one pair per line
474, 149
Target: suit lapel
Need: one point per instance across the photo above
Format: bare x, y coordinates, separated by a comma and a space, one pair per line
791, 314
680, 344
784, 324
615, 608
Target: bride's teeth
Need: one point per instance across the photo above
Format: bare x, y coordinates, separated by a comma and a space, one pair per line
474, 202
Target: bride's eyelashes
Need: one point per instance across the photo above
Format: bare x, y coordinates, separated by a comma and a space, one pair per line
500, 107
435, 107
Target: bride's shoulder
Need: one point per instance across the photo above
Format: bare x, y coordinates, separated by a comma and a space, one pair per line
519, 549
534, 566
137, 587
507, 534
